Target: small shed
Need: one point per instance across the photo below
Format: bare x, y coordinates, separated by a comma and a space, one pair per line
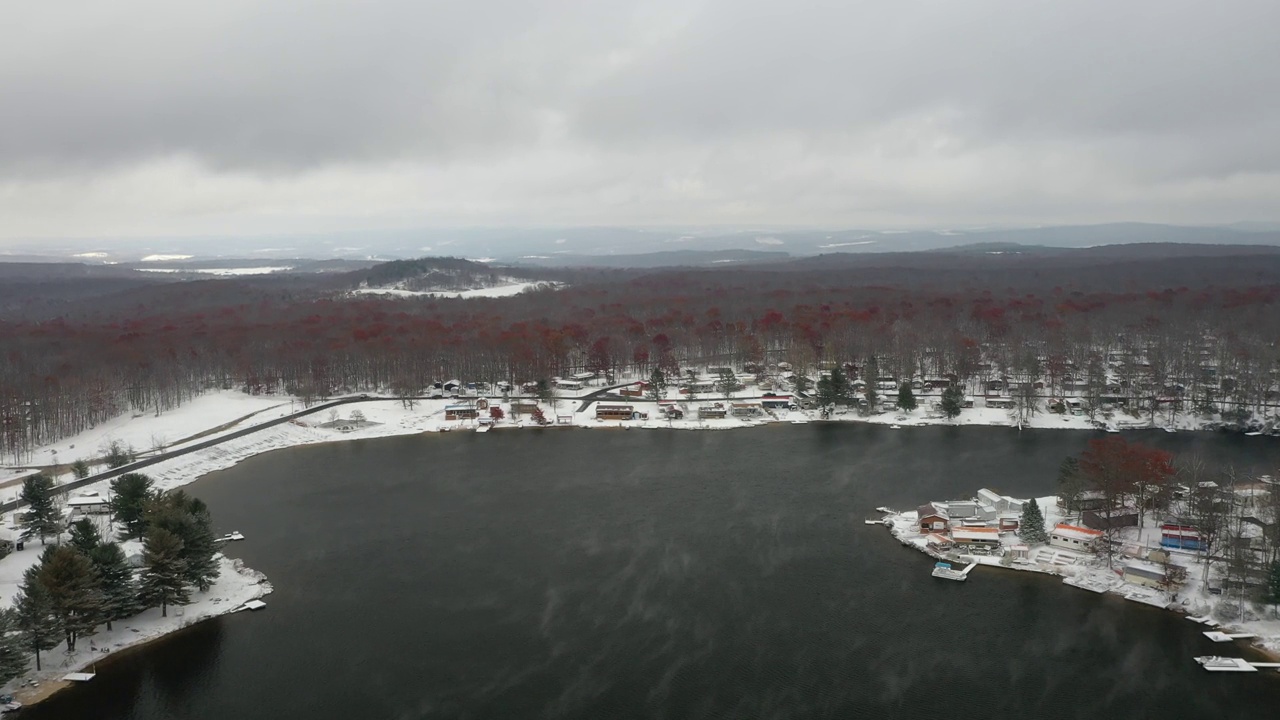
1145, 575
1182, 537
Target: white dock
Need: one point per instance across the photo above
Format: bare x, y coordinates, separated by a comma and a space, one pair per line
1213, 663
1221, 637
79, 676
231, 536
1202, 619
483, 428
251, 605
1153, 601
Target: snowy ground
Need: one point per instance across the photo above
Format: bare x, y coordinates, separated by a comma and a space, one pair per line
512, 287
1090, 572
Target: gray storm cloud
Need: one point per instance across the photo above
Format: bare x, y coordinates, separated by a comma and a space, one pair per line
161, 117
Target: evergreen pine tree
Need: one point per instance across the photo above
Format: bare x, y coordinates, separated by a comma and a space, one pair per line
42, 516
1031, 525
80, 468
84, 536
952, 401
35, 616
130, 494
164, 576
72, 583
115, 580
13, 656
189, 519
906, 398
657, 384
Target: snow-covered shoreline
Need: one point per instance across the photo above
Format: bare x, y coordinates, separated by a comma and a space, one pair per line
1085, 571
226, 412
236, 585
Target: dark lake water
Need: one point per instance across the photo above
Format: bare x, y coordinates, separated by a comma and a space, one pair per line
657, 574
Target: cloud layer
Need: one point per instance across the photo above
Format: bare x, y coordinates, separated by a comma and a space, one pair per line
142, 117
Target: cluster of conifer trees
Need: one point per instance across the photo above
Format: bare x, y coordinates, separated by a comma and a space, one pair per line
87, 581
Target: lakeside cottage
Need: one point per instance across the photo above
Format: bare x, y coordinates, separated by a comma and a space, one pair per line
89, 503
461, 411
616, 412
711, 412
1072, 537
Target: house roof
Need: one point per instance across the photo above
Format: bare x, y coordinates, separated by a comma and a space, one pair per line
973, 533
929, 510
84, 500
937, 539
1148, 573
1074, 531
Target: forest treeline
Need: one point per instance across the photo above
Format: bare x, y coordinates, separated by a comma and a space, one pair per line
1114, 326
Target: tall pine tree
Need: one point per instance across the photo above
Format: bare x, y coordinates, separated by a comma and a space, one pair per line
189, 519
115, 581
906, 397
952, 401
72, 582
130, 494
42, 516
84, 536
13, 657
1273, 584
35, 618
1031, 525
164, 575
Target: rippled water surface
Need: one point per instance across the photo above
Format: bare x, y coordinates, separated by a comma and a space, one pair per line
656, 574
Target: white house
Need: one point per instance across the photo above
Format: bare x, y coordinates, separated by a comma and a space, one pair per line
89, 503
1071, 537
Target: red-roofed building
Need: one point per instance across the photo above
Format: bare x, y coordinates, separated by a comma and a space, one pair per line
1072, 537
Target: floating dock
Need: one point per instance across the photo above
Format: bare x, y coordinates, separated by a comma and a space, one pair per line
1221, 637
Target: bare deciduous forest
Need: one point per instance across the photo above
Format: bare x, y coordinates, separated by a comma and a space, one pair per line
1155, 328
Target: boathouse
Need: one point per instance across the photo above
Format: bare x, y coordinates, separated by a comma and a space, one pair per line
932, 518
1072, 537
777, 402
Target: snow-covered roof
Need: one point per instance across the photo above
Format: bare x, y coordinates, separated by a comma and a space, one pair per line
1073, 531
928, 509
86, 500
973, 533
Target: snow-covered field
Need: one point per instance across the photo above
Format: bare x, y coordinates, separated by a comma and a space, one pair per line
513, 287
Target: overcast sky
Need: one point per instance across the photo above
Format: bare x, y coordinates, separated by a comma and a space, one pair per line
139, 118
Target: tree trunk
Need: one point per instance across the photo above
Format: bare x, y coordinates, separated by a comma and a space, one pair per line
164, 610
